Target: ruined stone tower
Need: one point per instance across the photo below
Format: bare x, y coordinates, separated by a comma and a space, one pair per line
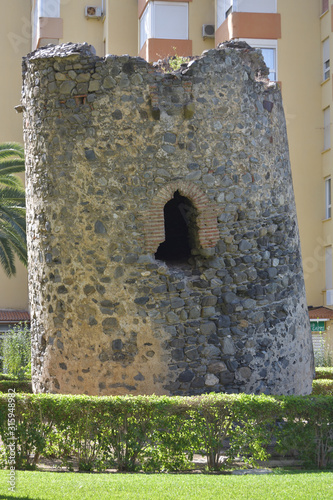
162, 233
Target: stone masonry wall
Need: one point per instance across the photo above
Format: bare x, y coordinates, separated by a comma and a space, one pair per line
109, 141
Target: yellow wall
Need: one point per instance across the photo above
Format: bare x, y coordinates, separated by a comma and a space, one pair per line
77, 28
299, 70
327, 156
14, 291
200, 12
121, 27
15, 42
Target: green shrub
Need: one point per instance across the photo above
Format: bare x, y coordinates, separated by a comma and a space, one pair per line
175, 437
104, 431
16, 351
5, 376
307, 427
79, 422
322, 387
162, 433
324, 372
176, 61
173, 63
18, 385
33, 422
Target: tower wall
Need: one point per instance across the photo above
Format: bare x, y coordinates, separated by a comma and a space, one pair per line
108, 143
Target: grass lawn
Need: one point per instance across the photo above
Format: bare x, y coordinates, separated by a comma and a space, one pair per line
70, 486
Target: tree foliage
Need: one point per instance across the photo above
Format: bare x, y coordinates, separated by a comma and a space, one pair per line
12, 207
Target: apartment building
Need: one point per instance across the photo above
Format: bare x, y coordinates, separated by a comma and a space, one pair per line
296, 40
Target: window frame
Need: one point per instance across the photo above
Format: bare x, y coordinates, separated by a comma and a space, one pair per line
328, 269
328, 198
174, 5
39, 9
325, 6
150, 13
144, 20
223, 9
228, 11
327, 128
326, 59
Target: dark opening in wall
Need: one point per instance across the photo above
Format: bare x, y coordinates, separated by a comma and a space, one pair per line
180, 229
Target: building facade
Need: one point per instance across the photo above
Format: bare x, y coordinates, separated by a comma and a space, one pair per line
296, 40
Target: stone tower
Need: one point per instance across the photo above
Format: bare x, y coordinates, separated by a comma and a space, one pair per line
164, 254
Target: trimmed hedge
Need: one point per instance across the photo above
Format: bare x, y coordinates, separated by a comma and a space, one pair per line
157, 433
322, 387
18, 385
5, 376
324, 372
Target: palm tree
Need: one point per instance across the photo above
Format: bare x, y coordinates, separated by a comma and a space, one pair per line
12, 207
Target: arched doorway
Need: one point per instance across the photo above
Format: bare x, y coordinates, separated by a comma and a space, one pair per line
179, 225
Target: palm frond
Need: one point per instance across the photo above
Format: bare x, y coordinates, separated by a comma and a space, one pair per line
12, 193
16, 203
11, 165
13, 215
13, 225
10, 180
12, 207
11, 148
9, 210
21, 253
16, 238
7, 257
17, 246
12, 211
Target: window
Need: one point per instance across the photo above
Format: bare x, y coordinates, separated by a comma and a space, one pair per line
42, 8
326, 69
227, 12
223, 9
326, 58
178, 203
327, 129
171, 20
328, 275
270, 60
49, 8
166, 20
265, 6
145, 26
328, 198
324, 6
269, 52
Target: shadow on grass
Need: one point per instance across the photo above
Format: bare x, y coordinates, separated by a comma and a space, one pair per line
6, 497
283, 472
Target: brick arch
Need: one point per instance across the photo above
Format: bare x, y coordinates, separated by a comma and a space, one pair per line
208, 233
